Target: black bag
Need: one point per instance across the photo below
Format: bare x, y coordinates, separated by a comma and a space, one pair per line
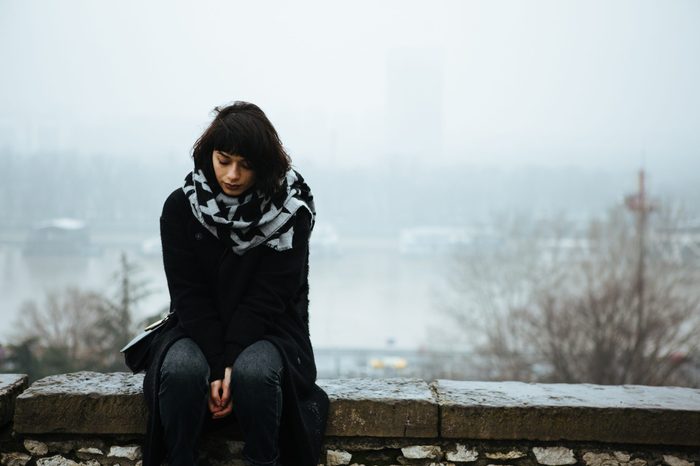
137, 350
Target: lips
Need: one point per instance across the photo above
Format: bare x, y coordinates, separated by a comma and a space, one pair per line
232, 186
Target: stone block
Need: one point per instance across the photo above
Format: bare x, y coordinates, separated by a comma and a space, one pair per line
505, 455
554, 456
56, 460
14, 458
337, 457
392, 407
462, 453
131, 452
614, 458
84, 403
417, 452
578, 412
59, 460
11, 385
671, 460
90, 451
35, 447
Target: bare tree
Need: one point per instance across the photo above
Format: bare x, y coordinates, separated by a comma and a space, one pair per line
57, 334
603, 307
78, 329
114, 327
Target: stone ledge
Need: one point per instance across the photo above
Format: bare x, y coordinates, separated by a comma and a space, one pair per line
94, 403
392, 407
11, 385
635, 414
83, 403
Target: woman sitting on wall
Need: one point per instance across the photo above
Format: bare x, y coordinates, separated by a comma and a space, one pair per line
235, 249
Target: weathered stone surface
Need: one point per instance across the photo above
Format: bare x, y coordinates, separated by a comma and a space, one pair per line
91, 451
337, 457
132, 452
462, 453
56, 460
59, 460
392, 407
11, 385
554, 456
676, 461
504, 455
83, 402
14, 459
366, 443
61, 447
88, 453
432, 452
97, 403
615, 458
586, 412
35, 447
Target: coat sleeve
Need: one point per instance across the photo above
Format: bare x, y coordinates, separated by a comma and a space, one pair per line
273, 287
191, 296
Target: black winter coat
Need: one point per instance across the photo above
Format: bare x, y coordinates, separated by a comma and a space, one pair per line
226, 302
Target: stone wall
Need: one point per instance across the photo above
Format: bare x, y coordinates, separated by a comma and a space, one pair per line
89, 418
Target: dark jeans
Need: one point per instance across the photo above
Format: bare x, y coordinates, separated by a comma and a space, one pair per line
256, 394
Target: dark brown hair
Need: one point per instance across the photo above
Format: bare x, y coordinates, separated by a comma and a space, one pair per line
243, 129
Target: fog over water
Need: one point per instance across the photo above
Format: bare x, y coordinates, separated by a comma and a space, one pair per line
400, 114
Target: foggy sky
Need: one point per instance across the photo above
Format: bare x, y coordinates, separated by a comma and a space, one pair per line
576, 83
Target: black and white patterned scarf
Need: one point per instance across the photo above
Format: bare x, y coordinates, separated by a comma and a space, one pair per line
243, 222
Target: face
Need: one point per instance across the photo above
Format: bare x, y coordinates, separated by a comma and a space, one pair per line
233, 172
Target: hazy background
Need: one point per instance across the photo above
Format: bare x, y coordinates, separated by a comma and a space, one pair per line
400, 114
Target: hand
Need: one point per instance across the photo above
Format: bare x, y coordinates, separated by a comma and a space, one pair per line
220, 396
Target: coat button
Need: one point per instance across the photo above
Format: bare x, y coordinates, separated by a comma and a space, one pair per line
198, 236
298, 360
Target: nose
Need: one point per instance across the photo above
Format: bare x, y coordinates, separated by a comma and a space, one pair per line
233, 172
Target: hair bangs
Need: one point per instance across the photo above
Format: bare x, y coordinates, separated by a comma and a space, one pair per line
243, 129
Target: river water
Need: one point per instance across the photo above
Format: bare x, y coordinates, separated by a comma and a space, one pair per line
364, 295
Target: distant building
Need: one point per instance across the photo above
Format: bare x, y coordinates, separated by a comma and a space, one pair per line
60, 236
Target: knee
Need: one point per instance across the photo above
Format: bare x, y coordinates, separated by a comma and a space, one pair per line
185, 367
259, 365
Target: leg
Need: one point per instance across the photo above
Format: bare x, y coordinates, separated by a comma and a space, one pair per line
256, 393
182, 399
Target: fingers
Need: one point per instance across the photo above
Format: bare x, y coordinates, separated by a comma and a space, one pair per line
212, 406
214, 396
226, 387
220, 396
225, 411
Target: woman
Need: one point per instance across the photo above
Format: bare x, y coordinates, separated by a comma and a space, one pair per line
235, 250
